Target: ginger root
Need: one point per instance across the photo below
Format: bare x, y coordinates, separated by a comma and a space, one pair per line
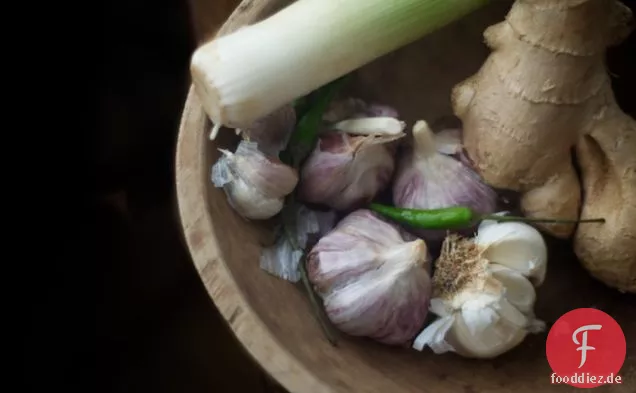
525, 109
543, 93
607, 157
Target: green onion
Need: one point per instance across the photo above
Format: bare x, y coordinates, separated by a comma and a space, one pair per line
248, 74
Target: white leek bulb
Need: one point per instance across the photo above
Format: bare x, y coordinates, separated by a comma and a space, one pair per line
245, 75
484, 291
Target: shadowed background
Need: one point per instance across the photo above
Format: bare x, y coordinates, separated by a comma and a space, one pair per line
158, 331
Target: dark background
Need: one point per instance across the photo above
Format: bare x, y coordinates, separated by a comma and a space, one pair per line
157, 330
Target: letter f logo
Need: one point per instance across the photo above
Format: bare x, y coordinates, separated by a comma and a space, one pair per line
584, 347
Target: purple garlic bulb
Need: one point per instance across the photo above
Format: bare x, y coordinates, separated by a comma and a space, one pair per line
345, 171
373, 282
428, 179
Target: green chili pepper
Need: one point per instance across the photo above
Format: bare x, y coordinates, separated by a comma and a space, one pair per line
305, 136
447, 218
456, 217
301, 105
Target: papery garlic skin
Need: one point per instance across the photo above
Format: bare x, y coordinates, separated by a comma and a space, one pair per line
282, 258
485, 308
273, 131
428, 179
255, 184
344, 172
373, 283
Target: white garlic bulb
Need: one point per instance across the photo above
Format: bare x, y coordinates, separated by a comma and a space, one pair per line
428, 179
373, 282
484, 291
344, 172
255, 184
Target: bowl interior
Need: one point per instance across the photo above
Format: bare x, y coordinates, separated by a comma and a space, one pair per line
417, 81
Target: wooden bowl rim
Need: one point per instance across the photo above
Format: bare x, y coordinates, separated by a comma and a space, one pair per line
196, 222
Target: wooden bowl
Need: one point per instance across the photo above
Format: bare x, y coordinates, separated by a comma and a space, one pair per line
273, 319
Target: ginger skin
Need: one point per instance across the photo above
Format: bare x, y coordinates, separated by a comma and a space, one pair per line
607, 157
543, 93
535, 96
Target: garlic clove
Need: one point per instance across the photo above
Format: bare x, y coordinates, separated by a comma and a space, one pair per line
487, 330
344, 172
515, 245
518, 289
255, 185
267, 174
371, 126
373, 283
250, 203
484, 327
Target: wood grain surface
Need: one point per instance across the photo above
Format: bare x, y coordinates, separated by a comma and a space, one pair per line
272, 318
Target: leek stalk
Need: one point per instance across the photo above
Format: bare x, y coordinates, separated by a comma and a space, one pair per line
245, 75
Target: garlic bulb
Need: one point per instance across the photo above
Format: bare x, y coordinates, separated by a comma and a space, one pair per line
273, 131
428, 179
255, 184
373, 283
344, 171
484, 291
